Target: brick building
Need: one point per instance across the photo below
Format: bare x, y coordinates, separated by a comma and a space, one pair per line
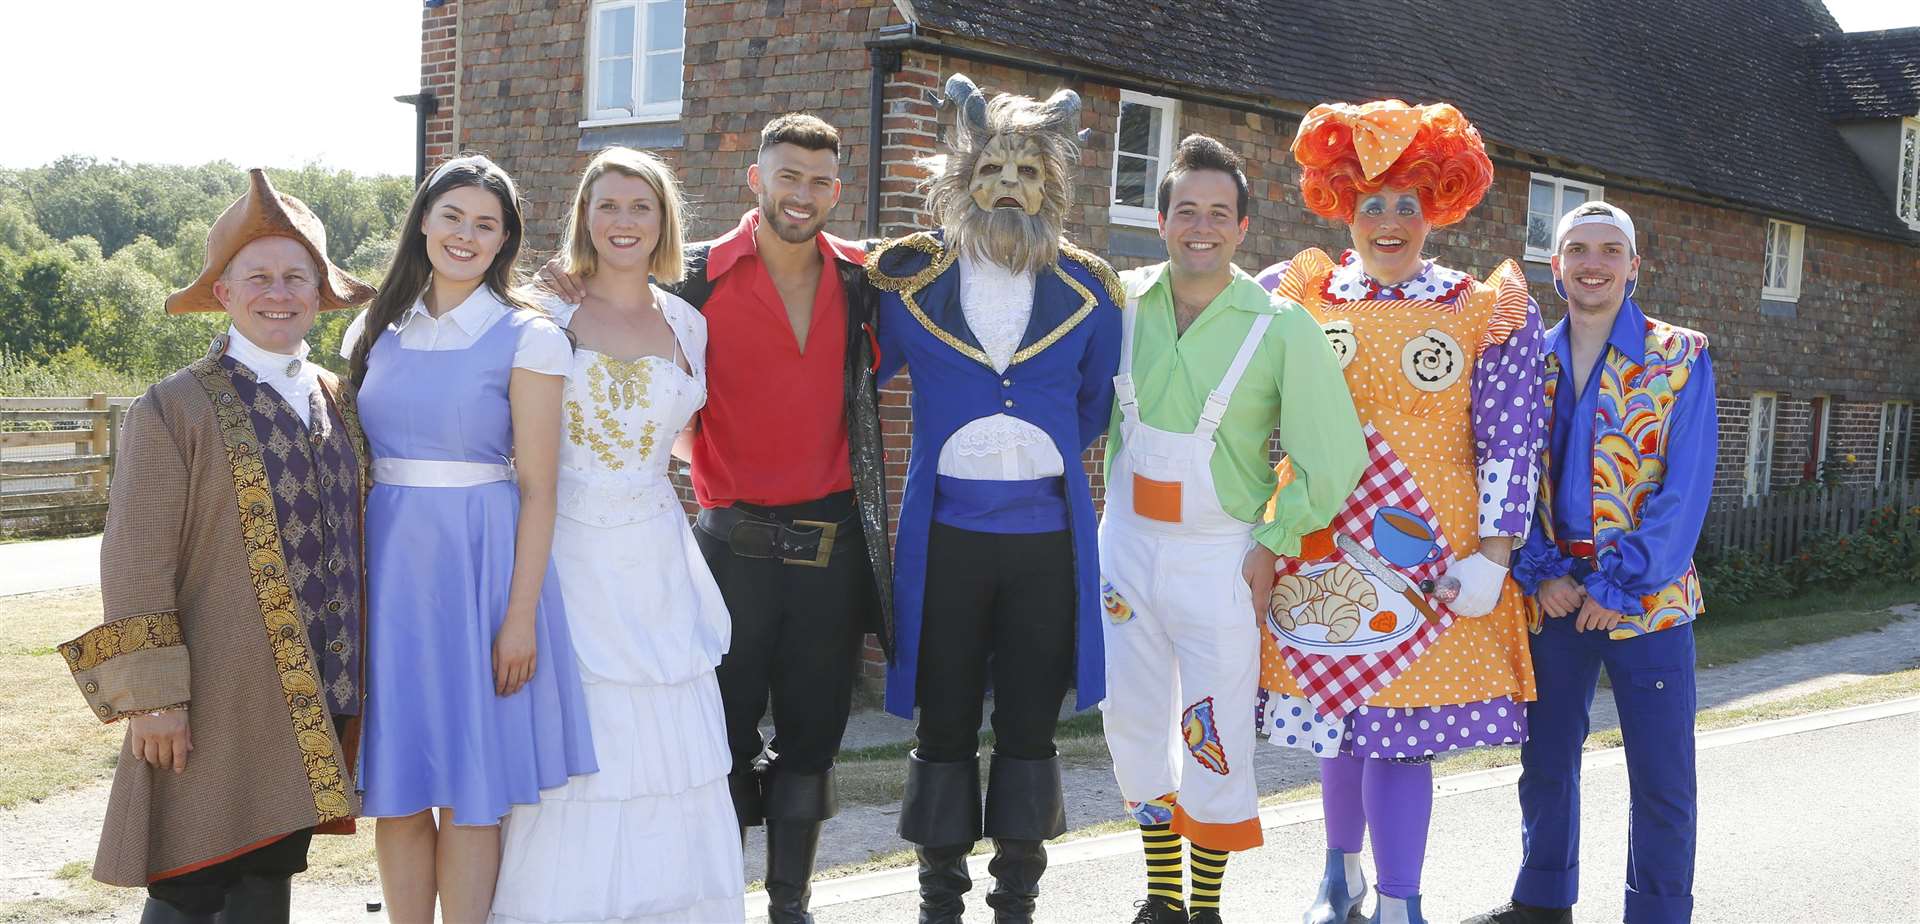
1771, 161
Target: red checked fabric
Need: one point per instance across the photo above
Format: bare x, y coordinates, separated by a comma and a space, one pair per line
1337, 684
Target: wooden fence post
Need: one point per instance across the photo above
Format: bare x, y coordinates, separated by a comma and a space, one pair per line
113, 442
97, 443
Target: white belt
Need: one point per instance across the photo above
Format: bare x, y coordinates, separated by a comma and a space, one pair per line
434, 473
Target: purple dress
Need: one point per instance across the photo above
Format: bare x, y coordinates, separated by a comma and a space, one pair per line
439, 563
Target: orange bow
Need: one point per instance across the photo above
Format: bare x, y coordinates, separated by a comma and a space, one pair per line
1381, 130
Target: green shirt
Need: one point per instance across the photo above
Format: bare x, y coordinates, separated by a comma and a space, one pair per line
1294, 381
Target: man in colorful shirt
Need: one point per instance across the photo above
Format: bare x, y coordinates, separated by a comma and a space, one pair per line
1209, 364
1628, 474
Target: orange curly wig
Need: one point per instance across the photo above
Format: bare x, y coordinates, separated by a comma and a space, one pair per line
1445, 162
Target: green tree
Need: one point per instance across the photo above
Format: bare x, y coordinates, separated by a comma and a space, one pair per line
45, 312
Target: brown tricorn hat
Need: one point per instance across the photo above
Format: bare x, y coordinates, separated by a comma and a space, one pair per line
262, 212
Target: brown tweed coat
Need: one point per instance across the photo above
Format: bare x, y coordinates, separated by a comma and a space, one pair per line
199, 612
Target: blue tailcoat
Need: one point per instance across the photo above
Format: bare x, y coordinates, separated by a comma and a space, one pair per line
1060, 380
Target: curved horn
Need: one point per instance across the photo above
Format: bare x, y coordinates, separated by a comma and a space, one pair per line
962, 94
1066, 104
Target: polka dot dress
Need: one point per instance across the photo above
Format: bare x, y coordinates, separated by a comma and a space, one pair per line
1410, 378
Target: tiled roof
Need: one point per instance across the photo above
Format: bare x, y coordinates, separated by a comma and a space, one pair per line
1868, 75
1715, 96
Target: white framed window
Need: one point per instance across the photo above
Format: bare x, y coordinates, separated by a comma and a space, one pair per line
1908, 198
1896, 441
1142, 148
1786, 246
1760, 421
634, 56
1549, 198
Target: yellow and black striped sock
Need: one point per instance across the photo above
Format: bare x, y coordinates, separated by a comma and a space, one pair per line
1208, 868
1163, 862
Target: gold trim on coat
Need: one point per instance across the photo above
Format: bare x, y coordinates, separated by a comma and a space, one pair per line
943, 259
109, 640
267, 564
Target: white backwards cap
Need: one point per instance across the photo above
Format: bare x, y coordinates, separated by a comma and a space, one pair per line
1595, 213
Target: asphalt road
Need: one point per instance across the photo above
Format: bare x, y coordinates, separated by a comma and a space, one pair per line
1815, 826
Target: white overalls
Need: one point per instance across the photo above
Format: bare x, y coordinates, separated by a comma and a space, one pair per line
1183, 645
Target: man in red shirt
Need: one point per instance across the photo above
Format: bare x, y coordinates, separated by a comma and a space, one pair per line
787, 469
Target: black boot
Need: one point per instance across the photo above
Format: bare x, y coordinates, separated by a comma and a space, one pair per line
254, 900
940, 816
1016, 869
1025, 808
944, 882
159, 912
796, 805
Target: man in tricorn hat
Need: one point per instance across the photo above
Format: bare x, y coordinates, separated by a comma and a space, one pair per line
230, 572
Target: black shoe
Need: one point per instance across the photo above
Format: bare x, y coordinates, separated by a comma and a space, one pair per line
1016, 867
254, 900
1158, 910
1517, 913
944, 882
1204, 916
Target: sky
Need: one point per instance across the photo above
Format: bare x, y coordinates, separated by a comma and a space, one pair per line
257, 82
269, 82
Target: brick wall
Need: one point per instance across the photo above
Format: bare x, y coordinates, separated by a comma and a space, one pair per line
518, 72
511, 75
439, 73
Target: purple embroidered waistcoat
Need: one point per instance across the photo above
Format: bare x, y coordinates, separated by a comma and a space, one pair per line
315, 473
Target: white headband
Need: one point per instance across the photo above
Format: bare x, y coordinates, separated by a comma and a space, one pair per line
1595, 213
478, 161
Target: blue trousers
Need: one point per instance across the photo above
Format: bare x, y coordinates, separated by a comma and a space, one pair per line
1652, 678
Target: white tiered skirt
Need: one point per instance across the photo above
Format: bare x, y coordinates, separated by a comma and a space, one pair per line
652, 837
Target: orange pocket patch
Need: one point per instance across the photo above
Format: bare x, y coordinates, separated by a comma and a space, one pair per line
1156, 500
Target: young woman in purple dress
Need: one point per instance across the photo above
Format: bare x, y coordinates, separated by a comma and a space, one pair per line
474, 701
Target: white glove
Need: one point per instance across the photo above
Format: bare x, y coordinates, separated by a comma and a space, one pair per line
1481, 580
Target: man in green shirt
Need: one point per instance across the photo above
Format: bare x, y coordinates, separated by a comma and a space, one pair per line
1209, 365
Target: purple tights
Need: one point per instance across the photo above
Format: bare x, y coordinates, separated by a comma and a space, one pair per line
1395, 800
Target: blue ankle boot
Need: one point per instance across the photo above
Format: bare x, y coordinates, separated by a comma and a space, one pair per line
1336, 900
1392, 910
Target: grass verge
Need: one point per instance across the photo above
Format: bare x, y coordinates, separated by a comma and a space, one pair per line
49, 742
1726, 637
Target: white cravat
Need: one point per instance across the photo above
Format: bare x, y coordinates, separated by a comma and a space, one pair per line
289, 374
998, 304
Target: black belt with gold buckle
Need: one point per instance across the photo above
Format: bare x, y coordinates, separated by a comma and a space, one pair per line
808, 543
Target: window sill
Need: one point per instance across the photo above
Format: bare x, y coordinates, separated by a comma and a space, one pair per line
1538, 257
1133, 216
1781, 297
649, 119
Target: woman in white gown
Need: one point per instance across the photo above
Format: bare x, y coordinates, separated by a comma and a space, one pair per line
652, 836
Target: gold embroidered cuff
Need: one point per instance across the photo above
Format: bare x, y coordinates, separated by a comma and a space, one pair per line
130, 666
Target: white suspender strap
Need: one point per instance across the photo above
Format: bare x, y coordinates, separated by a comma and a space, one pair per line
1216, 406
1123, 382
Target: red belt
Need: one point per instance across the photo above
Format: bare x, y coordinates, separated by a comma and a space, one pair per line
1576, 548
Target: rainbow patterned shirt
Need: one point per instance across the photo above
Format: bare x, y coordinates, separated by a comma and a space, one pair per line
1629, 465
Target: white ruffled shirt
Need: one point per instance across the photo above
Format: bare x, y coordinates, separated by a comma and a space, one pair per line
543, 348
998, 304
271, 368
1350, 282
